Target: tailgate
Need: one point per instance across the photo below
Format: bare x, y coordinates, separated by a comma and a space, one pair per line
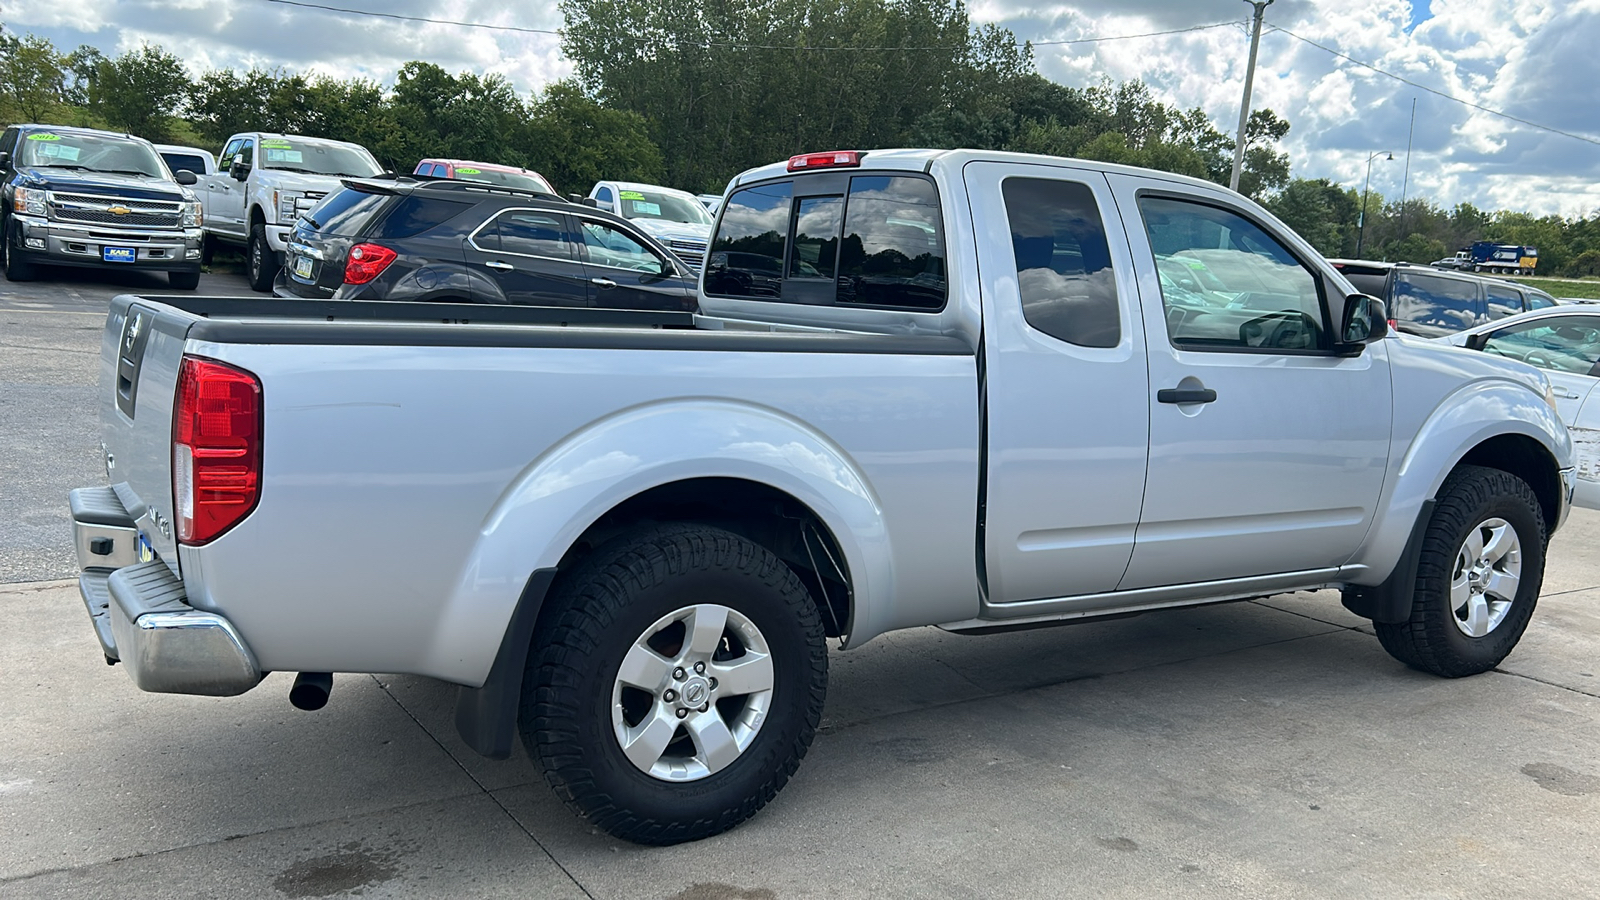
140, 353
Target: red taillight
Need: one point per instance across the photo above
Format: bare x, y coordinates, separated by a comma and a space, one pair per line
365, 262
838, 159
1394, 325
216, 448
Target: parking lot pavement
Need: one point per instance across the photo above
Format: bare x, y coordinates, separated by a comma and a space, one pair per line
1260, 749
49, 420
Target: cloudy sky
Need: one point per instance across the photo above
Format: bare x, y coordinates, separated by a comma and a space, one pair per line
1536, 60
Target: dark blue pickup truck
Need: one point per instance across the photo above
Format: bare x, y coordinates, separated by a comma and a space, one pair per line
81, 197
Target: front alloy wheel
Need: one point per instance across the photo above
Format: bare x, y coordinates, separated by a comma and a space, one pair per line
1487, 572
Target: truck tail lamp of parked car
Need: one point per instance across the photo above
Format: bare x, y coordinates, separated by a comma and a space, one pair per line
216, 448
366, 262
837, 159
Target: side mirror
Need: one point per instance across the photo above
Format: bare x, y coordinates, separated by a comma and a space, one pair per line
240, 170
185, 177
1364, 320
5, 159
1478, 341
591, 202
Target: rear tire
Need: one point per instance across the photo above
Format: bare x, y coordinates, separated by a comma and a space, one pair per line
183, 281
650, 624
261, 264
1478, 576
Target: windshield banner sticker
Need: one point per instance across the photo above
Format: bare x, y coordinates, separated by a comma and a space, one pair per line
631, 195
461, 171
279, 154
44, 137
646, 209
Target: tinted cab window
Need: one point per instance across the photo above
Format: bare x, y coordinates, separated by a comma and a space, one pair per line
837, 238
1433, 305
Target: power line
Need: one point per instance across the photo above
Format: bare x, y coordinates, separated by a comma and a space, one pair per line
1423, 87
346, 11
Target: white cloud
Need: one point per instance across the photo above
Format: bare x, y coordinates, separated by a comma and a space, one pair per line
1534, 59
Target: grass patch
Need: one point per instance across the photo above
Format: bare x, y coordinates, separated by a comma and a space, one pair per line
1564, 287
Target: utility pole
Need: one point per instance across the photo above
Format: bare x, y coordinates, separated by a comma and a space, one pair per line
1249, 81
1406, 182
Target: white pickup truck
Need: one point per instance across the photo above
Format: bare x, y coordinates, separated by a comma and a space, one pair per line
266, 182
948, 388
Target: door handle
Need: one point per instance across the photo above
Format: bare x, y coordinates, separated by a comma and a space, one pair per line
499, 266
1186, 395
1568, 395
604, 283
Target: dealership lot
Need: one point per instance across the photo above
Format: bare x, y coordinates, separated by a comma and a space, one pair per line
1262, 749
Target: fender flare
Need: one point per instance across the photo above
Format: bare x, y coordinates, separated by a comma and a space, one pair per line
1466, 420
487, 625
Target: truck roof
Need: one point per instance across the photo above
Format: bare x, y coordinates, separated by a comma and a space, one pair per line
923, 160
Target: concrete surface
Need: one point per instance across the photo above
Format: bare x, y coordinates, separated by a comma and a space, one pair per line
1265, 749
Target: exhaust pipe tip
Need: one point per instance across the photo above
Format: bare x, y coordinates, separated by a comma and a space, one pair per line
311, 690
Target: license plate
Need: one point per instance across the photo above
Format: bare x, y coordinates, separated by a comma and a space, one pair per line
143, 550
302, 266
119, 254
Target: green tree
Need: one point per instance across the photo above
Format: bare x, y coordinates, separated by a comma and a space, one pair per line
1415, 248
574, 141
32, 77
140, 91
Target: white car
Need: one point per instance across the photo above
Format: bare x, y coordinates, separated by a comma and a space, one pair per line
674, 217
1564, 341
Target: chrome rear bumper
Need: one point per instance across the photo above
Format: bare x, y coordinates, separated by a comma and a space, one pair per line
140, 612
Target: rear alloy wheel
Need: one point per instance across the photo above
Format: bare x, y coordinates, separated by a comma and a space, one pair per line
1478, 578
261, 263
675, 683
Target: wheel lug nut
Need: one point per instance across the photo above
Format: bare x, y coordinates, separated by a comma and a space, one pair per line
682, 713
678, 674
704, 707
699, 668
670, 696
713, 684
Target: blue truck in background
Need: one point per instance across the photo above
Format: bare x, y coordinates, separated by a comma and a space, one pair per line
1506, 259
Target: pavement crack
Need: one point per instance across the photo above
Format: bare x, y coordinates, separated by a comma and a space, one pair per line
484, 789
1546, 681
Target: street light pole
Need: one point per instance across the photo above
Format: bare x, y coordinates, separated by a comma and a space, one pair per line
1361, 220
1249, 81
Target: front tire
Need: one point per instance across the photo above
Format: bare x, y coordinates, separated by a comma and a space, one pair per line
261, 265
674, 684
17, 269
1478, 576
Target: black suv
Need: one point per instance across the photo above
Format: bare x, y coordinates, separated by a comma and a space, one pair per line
1429, 302
441, 240
81, 197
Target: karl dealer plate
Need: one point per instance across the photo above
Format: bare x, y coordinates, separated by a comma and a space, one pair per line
118, 254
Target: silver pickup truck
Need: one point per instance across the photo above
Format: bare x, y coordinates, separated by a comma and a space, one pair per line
974, 390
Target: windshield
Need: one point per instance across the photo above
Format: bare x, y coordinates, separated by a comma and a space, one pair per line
315, 157
670, 207
93, 152
526, 181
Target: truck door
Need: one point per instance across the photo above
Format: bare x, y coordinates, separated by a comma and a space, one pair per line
1267, 452
1065, 387
229, 197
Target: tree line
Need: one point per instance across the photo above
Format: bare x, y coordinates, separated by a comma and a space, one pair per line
689, 95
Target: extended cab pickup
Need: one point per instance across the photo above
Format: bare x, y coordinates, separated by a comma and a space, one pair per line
267, 181
946, 388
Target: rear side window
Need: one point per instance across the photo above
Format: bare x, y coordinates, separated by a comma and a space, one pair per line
185, 162
1502, 300
880, 242
1431, 306
527, 232
1537, 300
347, 212
414, 215
1063, 261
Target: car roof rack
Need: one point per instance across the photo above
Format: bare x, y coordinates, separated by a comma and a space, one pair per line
463, 186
